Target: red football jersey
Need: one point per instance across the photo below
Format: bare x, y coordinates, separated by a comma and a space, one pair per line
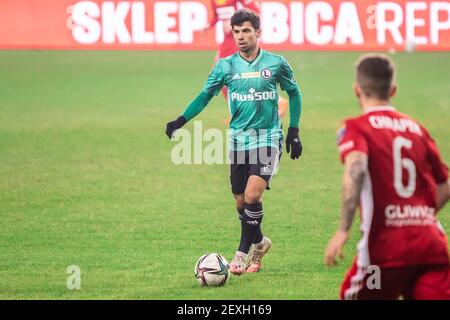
223, 10
398, 200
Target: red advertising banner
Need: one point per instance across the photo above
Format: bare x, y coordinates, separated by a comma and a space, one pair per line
176, 25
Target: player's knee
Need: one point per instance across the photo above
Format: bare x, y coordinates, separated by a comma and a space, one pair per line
252, 196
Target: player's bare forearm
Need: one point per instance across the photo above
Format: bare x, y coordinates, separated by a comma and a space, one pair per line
443, 195
355, 170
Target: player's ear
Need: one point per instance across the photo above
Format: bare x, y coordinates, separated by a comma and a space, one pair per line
357, 90
258, 33
393, 91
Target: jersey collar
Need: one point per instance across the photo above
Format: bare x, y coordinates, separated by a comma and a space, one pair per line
379, 108
258, 57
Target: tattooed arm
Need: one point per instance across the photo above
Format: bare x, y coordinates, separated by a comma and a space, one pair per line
355, 171
356, 166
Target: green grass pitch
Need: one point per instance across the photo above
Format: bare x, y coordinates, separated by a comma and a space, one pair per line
87, 180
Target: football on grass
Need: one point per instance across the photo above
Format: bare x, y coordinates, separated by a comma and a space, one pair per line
212, 270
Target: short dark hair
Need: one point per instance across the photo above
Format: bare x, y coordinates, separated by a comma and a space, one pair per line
375, 74
243, 15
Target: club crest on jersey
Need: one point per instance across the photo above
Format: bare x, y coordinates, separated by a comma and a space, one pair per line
266, 73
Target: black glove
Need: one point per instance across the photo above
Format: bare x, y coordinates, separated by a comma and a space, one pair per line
293, 141
172, 126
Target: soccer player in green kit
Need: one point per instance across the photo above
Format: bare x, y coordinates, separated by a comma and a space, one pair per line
251, 75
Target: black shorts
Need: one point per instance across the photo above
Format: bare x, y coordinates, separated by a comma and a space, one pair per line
262, 162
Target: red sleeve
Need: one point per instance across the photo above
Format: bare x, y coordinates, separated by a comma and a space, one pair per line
440, 169
251, 4
349, 139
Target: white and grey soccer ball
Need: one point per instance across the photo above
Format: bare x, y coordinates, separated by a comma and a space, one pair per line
212, 270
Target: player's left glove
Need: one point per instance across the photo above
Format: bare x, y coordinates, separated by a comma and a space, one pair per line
172, 126
293, 142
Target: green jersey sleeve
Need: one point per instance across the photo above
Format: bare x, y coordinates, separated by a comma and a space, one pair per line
216, 79
286, 77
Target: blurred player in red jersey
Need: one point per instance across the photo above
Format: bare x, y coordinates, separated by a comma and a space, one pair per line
222, 11
394, 170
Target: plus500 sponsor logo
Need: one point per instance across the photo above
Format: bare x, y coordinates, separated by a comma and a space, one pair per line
254, 96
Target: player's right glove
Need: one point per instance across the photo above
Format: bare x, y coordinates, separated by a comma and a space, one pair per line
172, 126
293, 142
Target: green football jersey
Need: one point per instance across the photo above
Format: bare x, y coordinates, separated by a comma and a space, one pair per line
252, 97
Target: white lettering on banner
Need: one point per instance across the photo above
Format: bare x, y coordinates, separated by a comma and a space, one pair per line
411, 8
318, 23
348, 26
315, 34
371, 12
138, 32
163, 11
297, 29
193, 17
275, 17
113, 22
392, 26
86, 30
173, 23
435, 24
